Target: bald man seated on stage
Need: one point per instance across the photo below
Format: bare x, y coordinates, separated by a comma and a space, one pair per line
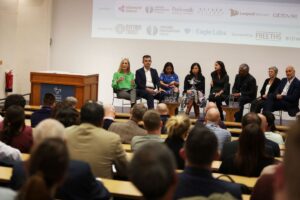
212, 119
287, 94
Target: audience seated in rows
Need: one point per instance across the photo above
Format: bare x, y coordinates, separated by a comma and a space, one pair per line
163, 110
200, 149
231, 148
109, 116
45, 111
79, 183
270, 129
152, 124
152, 171
281, 182
250, 158
91, 143
287, 95
268, 89
212, 119
13, 130
127, 130
177, 130
244, 89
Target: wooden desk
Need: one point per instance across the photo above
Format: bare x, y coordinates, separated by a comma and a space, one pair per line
234, 130
248, 181
127, 147
27, 122
172, 107
230, 111
25, 156
123, 189
246, 197
5, 174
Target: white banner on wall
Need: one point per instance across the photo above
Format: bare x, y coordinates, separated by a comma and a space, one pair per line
270, 23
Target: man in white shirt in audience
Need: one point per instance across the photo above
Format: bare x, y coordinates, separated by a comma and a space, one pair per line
8, 154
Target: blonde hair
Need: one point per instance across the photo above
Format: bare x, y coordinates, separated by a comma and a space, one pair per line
120, 66
178, 126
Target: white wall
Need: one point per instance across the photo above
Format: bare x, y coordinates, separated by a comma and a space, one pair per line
74, 50
24, 40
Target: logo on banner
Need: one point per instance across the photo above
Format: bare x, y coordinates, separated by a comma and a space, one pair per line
152, 30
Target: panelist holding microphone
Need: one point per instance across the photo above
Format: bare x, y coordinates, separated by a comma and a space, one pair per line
148, 83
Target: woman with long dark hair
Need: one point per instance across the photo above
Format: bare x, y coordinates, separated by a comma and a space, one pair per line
219, 90
47, 168
251, 156
13, 130
194, 89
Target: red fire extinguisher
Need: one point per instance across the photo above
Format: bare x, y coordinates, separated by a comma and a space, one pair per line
9, 81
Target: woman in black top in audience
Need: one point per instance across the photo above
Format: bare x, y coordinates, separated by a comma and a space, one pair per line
269, 87
251, 156
219, 90
194, 89
177, 129
47, 168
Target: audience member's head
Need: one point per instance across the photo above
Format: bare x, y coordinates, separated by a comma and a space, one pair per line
71, 101
68, 116
291, 166
13, 122
109, 111
264, 123
178, 126
47, 168
14, 99
251, 149
201, 147
213, 115
152, 121
92, 113
250, 118
152, 171
162, 109
49, 100
290, 72
138, 111
210, 105
48, 128
270, 120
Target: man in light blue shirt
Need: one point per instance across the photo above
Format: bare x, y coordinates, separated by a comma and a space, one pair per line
212, 119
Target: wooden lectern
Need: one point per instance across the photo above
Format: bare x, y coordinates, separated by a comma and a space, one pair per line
85, 86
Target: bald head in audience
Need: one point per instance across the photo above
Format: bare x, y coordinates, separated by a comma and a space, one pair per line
48, 128
152, 171
109, 111
210, 105
213, 115
162, 108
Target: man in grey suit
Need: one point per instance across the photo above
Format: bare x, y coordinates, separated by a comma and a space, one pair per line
127, 130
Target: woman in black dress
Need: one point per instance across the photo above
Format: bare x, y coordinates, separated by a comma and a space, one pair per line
219, 90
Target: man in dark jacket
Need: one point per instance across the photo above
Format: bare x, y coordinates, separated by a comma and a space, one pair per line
244, 89
148, 83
